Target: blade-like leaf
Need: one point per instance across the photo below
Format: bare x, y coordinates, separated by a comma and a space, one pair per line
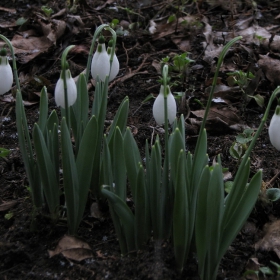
119, 169
132, 159
237, 191
43, 110
154, 173
120, 119
201, 226
176, 145
70, 179
84, 163
125, 215
106, 173
47, 171
242, 211
181, 234
140, 210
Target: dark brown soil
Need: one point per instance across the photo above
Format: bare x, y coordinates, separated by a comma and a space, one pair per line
24, 244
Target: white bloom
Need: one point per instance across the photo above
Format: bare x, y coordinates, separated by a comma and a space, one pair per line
71, 90
115, 65
158, 107
152, 28
100, 65
274, 129
6, 75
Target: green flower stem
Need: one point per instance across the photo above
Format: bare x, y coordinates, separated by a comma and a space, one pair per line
165, 183
96, 33
259, 130
220, 61
8, 42
64, 67
166, 91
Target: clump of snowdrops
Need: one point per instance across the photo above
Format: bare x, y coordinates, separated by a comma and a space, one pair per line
50, 149
179, 196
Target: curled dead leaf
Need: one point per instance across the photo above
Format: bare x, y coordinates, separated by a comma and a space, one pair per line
72, 248
6, 205
271, 68
271, 240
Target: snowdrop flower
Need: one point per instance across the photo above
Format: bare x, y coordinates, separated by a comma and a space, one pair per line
100, 65
152, 28
115, 63
158, 107
274, 129
6, 73
71, 90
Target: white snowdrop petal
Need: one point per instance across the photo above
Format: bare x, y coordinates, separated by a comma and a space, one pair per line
71, 92
115, 68
100, 65
274, 131
158, 107
6, 76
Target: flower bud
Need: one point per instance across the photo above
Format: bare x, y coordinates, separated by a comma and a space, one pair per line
158, 107
6, 73
115, 63
100, 65
274, 129
71, 90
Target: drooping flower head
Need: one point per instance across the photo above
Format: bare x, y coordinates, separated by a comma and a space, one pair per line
6, 73
71, 90
274, 129
100, 65
158, 107
115, 67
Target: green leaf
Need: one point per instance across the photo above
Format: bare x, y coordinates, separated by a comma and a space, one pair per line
53, 119
201, 227
236, 151
148, 98
4, 152
120, 119
171, 18
181, 230
125, 215
70, 180
237, 191
277, 266
141, 213
106, 177
27, 153
273, 194
154, 173
21, 21
43, 110
9, 216
84, 163
119, 168
83, 100
266, 270
240, 211
228, 186
176, 145
215, 203
258, 98
47, 171
132, 160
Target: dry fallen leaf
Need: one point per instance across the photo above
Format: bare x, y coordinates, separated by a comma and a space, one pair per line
271, 240
72, 248
95, 212
271, 68
6, 205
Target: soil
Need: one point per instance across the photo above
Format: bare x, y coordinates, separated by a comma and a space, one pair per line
26, 237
